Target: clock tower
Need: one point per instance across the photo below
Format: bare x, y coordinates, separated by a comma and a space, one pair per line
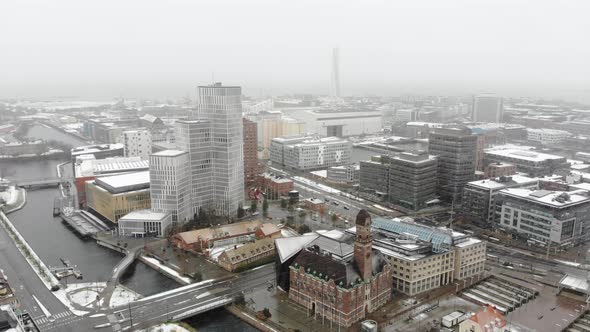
363, 245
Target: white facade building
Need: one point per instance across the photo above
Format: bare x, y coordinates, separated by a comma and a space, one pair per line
340, 123
488, 108
543, 215
170, 184
214, 141
547, 136
138, 143
144, 223
308, 153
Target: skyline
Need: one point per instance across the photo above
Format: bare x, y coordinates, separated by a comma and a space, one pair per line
513, 48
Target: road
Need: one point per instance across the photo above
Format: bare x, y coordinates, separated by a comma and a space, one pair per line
24, 281
176, 304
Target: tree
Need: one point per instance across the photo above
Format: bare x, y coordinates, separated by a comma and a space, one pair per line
241, 212
284, 203
253, 205
302, 215
304, 229
265, 207
334, 217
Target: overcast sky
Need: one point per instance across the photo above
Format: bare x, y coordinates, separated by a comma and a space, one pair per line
142, 48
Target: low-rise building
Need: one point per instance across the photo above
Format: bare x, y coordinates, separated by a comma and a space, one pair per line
343, 174
545, 216
487, 320
499, 169
306, 153
547, 136
87, 168
99, 151
141, 223
527, 161
268, 230
114, 196
274, 186
314, 204
206, 238
247, 255
480, 197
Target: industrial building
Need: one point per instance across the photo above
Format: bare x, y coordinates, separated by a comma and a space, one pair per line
341, 122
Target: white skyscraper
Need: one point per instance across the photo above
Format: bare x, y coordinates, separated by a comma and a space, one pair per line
214, 141
335, 88
488, 108
170, 184
137, 143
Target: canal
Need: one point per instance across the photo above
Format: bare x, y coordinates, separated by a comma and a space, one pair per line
52, 239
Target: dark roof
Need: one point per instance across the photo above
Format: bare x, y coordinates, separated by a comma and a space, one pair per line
344, 273
363, 218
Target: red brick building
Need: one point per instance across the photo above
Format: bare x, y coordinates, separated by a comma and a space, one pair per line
274, 186
250, 152
345, 284
498, 169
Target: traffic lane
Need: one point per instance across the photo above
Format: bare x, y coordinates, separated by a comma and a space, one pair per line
23, 279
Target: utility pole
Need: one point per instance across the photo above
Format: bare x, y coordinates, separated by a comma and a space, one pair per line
130, 316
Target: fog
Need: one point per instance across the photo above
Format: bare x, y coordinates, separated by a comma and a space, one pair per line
138, 48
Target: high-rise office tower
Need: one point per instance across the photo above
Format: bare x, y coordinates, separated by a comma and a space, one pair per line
335, 88
456, 149
169, 184
213, 138
487, 108
250, 151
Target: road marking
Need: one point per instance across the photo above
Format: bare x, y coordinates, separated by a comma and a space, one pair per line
45, 311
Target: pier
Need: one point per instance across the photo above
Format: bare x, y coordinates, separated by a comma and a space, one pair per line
84, 223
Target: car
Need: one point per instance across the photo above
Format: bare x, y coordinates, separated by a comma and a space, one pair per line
346, 207
256, 213
335, 203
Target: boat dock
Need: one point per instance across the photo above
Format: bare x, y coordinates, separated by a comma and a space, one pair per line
84, 223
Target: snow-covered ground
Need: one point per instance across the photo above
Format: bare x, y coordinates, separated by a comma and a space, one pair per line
122, 296
84, 297
167, 270
9, 196
568, 263
168, 327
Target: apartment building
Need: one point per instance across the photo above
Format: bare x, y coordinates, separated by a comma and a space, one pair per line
137, 143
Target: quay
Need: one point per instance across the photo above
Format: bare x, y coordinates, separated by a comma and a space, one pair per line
84, 223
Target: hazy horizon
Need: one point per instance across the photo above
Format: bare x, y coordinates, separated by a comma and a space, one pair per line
157, 49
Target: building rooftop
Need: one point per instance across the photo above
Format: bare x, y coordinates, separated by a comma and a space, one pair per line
92, 167
558, 199
523, 155
503, 182
169, 153
124, 182
87, 149
145, 215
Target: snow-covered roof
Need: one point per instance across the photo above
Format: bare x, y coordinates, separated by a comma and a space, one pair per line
289, 246
169, 153
144, 215
125, 182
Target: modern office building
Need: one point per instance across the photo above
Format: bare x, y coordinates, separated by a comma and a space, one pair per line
487, 108
343, 174
544, 216
137, 143
307, 153
547, 136
114, 196
142, 223
374, 176
456, 151
214, 142
412, 179
250, 152
170, 184
533, 163
480, 197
